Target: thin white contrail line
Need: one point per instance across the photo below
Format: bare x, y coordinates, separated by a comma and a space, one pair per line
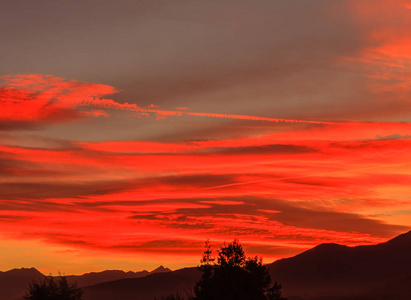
111, 104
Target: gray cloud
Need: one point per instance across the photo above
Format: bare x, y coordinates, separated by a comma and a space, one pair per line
34, 190
266, 149
395, 136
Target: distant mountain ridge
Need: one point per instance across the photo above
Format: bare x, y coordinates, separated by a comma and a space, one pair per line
325, 272
150, 287
14, 283
93, 278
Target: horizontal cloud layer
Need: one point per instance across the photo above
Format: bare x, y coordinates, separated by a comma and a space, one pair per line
280, 189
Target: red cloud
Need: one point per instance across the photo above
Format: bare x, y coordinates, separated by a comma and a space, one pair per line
36, 98
386, 54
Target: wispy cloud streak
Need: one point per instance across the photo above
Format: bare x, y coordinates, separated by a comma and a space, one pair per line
110, 104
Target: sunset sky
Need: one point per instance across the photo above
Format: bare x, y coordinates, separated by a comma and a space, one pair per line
132, 131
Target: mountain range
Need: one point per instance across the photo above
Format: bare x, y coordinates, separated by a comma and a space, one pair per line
14, 283
325, 272
93, 278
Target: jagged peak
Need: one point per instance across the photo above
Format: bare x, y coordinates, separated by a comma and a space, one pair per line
161, 269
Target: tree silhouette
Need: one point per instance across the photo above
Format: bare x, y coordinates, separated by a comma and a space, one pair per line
176, 297
234, 277
50, 289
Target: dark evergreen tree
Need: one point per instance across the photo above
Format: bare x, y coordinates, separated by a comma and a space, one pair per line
51, 289
175, 297
234, 277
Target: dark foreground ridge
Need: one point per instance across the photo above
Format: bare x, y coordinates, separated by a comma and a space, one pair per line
325, 272
331, 271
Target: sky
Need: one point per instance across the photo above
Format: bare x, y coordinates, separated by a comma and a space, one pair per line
133, 131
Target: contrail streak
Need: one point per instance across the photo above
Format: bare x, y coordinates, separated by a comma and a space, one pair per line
111, 104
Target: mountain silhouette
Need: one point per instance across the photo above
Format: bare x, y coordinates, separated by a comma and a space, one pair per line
325, 272
146, 288
331, 270
161, 269
14, 283
104, 276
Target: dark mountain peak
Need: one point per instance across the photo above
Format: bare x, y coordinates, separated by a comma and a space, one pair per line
23, 272
401, 242
105, 272
13, 283
161, 269
329, 247
368, 269
25, 269
22, 269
